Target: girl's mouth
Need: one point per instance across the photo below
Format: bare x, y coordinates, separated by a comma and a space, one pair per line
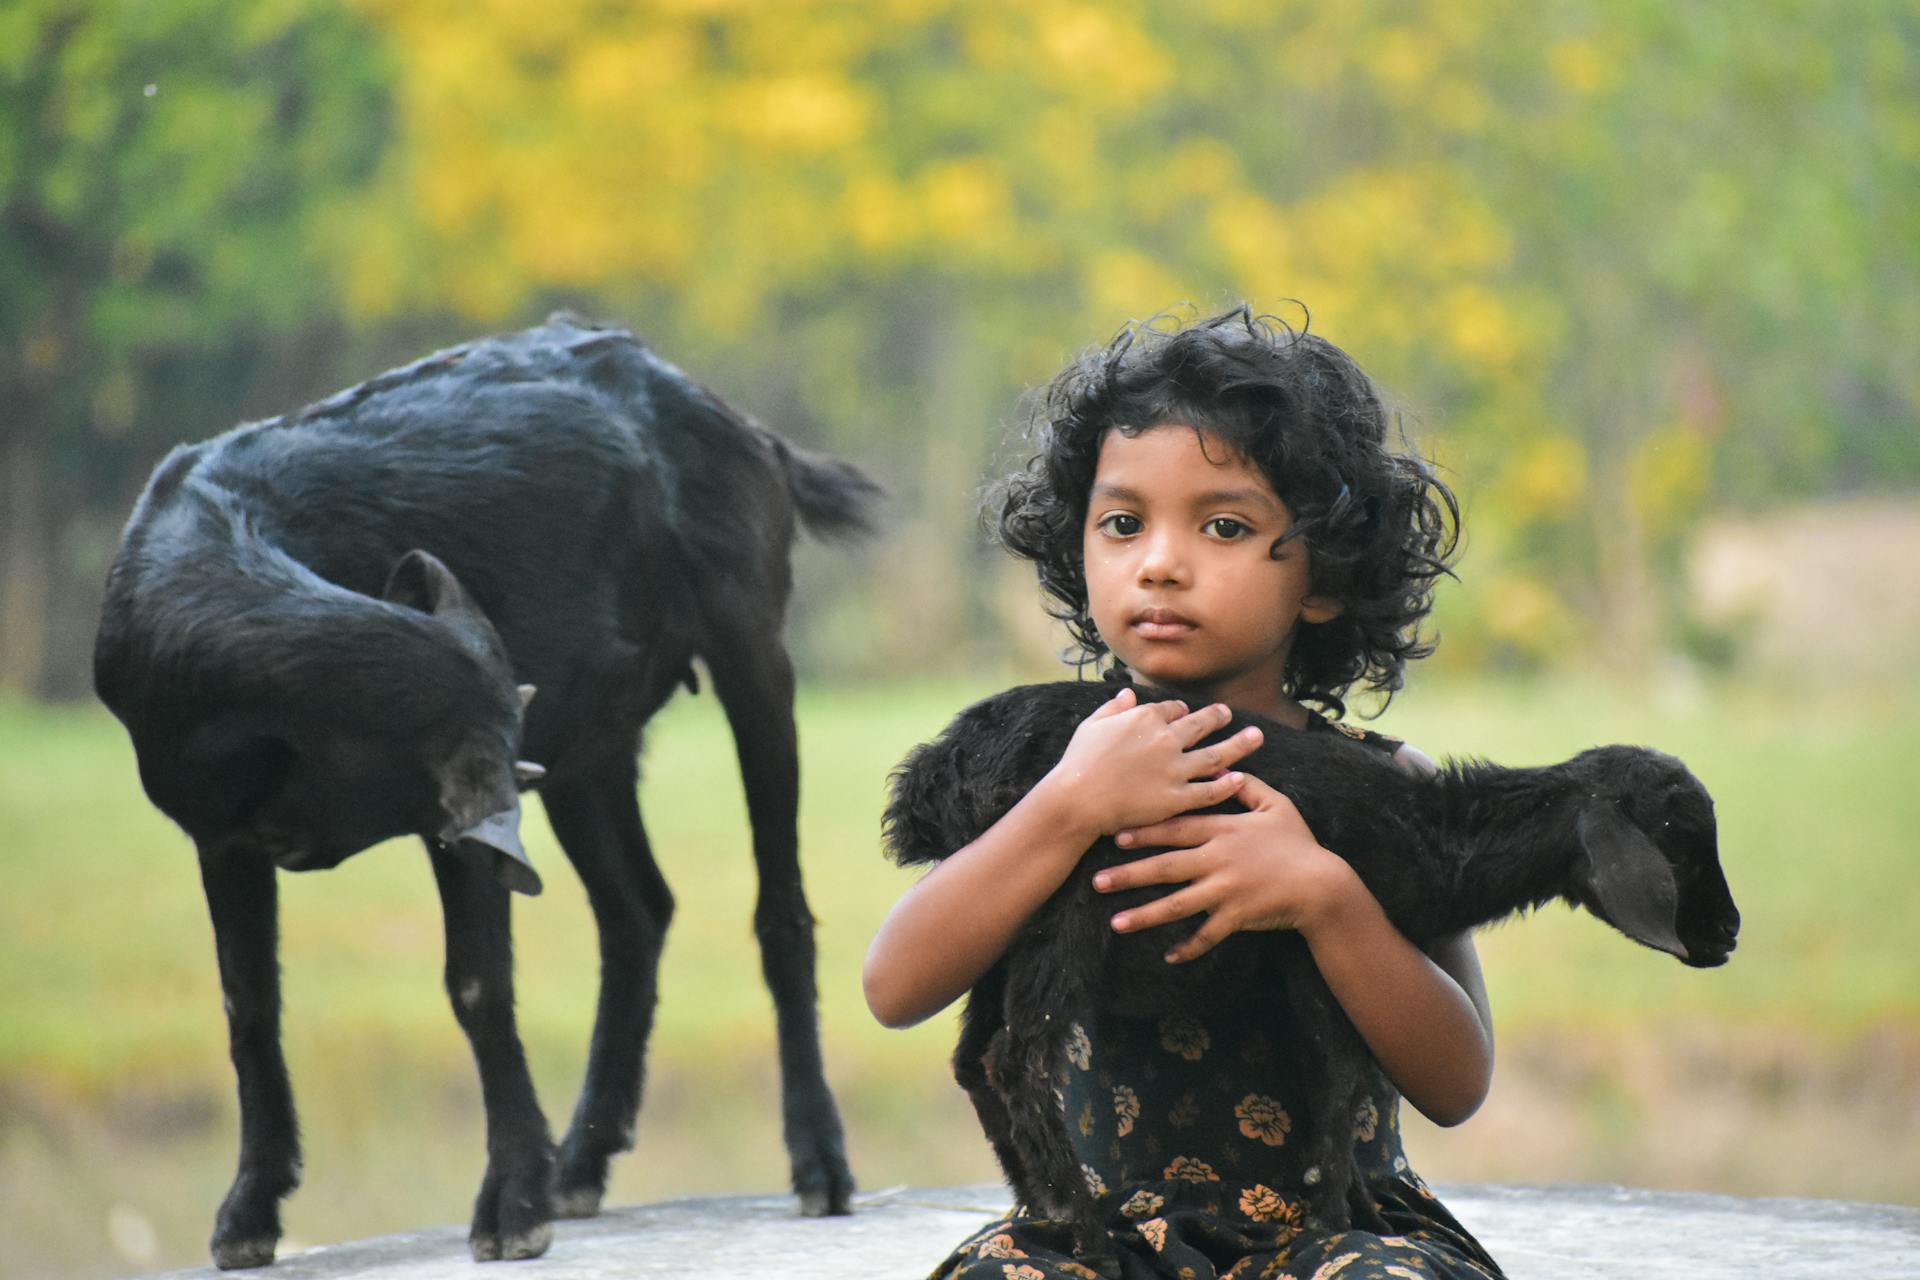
1162, 624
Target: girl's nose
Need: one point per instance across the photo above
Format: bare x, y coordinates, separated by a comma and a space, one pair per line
1161, 560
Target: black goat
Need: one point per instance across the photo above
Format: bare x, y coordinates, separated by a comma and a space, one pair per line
324, 630
1625, 832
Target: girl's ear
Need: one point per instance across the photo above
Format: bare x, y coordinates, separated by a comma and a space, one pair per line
1317, 609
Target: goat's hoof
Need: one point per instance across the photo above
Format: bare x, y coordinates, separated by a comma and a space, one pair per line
513, 1214
824, 1184
825, 1204
247, 1229
577, 1202
511, 1248
237, 1255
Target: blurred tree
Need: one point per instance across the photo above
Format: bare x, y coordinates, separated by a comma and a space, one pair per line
1711, 206
1624, 261
1625, 258
171, 180
896, 214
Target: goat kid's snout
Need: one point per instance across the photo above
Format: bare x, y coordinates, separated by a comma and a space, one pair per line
1712, 938
1675, 902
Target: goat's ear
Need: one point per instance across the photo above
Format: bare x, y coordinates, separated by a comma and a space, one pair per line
1630, 883
420, 581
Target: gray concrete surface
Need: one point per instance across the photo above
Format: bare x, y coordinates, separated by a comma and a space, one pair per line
1537, 1233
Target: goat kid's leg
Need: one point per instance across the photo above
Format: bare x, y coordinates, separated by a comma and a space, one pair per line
1329, 1057
513, 1213
1027, 1056
754, 679
597, 820
975, 1069
1363, 1209
243, 901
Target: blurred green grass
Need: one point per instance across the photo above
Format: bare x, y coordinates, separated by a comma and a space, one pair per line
115, 1090
104, 931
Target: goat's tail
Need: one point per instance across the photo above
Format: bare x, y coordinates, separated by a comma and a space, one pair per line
836, 499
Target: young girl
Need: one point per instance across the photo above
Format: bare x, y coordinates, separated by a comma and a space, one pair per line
1218, 508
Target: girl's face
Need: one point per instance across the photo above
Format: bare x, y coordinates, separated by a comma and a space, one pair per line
1179, 579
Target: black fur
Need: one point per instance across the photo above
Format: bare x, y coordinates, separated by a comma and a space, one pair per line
314, 632
1625, 832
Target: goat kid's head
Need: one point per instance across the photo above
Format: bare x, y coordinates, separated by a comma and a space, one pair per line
1651, 862
418, 736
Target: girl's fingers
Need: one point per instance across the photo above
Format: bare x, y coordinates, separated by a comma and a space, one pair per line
1256, 794
1208, 792
1205, 763
1212, 932
1177, 905
1182, 831
1121, 701
1189, 729
1176, 866
1166, 712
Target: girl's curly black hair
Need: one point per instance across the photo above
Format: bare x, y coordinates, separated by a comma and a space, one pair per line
1382, 527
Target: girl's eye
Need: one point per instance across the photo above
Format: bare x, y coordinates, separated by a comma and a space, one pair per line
1227, 528
1120, 524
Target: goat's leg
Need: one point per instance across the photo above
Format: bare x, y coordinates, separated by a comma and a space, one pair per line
513, 1213
754, 679
597, 819
243, 901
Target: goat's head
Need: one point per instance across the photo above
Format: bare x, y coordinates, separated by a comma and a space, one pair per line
1650, 848
416, 733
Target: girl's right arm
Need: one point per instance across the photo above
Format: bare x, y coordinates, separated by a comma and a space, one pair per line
1125, 762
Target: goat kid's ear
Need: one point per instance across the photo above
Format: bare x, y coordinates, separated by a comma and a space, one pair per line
1629, 882
420, 581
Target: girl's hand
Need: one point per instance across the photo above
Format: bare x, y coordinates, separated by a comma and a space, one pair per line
1131, 764
1261, 869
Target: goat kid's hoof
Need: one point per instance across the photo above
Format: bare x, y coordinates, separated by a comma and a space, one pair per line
237, 1255
511, 1248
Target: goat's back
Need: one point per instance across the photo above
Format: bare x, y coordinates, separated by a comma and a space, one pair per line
512, 458
573, 481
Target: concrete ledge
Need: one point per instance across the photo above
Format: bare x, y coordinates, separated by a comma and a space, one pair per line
1537, 1233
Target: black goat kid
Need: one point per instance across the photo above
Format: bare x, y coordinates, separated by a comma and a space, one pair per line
1625, 832
323, 630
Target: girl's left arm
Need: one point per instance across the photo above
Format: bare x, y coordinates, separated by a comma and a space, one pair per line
1423, 1013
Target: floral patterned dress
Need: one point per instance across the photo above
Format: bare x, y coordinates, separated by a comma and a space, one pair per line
1183, 1130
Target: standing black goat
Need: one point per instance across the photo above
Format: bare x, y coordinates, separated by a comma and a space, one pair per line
1625, 832
326, 629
